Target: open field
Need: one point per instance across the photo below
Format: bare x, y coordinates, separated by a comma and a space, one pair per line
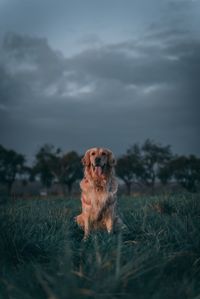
156, 256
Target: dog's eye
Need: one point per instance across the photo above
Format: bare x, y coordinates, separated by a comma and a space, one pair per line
93, 153
103, 154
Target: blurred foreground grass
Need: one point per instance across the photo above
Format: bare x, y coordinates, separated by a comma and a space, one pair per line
156, 256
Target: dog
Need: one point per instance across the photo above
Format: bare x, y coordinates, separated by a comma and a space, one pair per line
99, 187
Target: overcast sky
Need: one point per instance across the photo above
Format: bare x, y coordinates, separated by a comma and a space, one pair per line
110, 73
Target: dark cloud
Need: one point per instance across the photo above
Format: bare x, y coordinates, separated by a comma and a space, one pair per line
111, 95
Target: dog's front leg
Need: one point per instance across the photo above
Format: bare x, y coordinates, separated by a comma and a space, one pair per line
86, 229
109, 224
110, 201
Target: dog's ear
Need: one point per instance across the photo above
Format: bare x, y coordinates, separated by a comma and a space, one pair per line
86, 159
111, 159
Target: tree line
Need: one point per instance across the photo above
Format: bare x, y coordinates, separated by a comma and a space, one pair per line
142, 165
151, 162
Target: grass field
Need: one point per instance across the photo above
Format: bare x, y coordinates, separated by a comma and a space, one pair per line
156, 256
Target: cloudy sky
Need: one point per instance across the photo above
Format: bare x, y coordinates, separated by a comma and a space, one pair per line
82, 73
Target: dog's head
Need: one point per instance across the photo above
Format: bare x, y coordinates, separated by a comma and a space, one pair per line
99, 161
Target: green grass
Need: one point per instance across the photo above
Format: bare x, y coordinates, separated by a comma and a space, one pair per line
42, 254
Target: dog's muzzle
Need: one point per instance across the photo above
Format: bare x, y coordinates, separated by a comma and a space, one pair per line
98, 169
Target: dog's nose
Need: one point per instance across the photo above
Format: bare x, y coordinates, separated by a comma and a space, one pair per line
97, 160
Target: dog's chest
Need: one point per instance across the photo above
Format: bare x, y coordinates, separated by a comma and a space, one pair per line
98, 197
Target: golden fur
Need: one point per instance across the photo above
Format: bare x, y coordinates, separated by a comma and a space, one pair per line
99, 187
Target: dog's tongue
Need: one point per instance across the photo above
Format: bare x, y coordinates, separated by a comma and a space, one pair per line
98, 170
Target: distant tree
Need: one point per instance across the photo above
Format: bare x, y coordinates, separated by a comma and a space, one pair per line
27, 175
185, 170
165, 173
142, 164
67, 169
154, 157
129, 167
11, 165
43, 164
51, 165
73, 170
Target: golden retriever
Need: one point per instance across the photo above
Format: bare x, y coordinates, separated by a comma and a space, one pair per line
99, 187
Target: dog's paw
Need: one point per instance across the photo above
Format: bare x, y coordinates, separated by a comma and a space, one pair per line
79, 220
